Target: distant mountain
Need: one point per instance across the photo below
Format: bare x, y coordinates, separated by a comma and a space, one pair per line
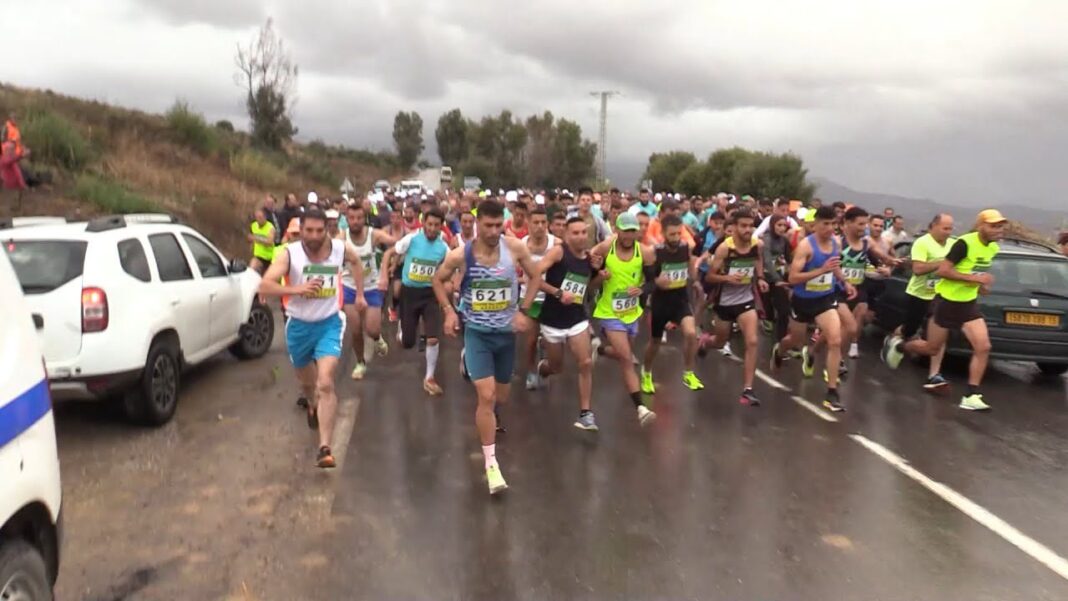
919, 211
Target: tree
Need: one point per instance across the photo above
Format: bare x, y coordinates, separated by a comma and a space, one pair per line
408, 138
737, 170
539, 152
269, 77
451, 136
573, 157
665, 168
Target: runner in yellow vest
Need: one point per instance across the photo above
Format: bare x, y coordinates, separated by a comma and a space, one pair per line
261, 235
964, 276
619, 307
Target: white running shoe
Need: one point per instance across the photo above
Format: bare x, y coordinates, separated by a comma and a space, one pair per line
854, 351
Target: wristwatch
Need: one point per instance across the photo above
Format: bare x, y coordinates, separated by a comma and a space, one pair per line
558, 294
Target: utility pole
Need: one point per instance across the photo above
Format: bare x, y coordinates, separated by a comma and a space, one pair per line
602, 152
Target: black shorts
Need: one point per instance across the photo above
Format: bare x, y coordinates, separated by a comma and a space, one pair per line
952, 314
873, 288
917, 310
419, 304
861, 297
805, 310
733, 312
669, 308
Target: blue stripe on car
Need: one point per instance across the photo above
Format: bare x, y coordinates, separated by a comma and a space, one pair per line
24, 411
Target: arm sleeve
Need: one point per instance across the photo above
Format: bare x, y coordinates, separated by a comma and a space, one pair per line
958, 252
402, 245
763, 227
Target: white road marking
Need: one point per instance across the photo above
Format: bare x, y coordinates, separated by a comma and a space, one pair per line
346, 422
770, 381
1021, 541
820, 413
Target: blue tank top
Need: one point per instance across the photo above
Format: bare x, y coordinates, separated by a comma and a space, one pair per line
489, 294
422, 260
825, 284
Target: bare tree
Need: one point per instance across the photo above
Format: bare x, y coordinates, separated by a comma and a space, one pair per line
269, 76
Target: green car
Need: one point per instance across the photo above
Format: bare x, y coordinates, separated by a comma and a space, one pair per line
1026, 310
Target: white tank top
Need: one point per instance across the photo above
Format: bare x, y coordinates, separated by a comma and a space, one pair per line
366, 251
328, 272
537, 259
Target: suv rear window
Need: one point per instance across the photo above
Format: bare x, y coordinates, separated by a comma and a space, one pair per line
133, 259
44, 265
170, 260
1024, 275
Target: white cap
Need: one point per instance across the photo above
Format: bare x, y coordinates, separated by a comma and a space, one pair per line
378, 197
402, 194
801, 212
722, 195
422, 197
539, 199
658, 197
678, 196
313, 198
511, 196
565, 192
332, 214
500, 192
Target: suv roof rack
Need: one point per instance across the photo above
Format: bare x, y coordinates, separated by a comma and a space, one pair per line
1031, 244
114, 222
11, 222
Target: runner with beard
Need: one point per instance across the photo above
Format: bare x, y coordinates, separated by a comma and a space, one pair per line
491, 319
672, 272
538, 241
365, 240
423, 251
397, 229
619, 310
316, 326
736, 266
567, 273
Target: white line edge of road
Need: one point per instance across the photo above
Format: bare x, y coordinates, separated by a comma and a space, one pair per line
1021, 541
804, 404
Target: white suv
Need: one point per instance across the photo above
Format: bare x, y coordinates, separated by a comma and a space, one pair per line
124, 303
30, 492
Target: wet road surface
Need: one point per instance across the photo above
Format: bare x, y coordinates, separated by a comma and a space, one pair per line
713, 501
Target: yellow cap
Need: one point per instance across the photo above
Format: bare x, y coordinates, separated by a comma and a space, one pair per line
991, 216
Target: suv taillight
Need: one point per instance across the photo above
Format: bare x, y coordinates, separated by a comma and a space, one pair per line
94, 310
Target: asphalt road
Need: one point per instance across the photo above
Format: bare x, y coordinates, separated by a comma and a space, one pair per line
904, 496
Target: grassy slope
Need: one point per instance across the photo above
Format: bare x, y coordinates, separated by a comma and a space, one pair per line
138, 151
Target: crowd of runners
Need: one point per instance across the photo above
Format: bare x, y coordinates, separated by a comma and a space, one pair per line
529, 278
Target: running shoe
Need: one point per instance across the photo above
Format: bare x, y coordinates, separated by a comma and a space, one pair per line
647, 383
842, 371
431, 387
691, 381
892, 355
634, 359
663, 337
495, 480
400, 335
816, 334
935, 382
776, 356
645, 415
422, 344
302, 402
595, 347
726, 350
325, 458
831, 402
463, 366
381, 347
532, 381
586, 422
769, 326
359, 371
793, 354
749, 398
392, 315
974, 402
808, 366
854, 350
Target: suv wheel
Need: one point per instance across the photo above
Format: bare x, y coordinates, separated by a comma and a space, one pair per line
23, 576
257, 333
1052, 369
155, 398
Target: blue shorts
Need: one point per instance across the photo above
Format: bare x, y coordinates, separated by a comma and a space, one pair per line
311, 340
373, 297
615, 325
489, 354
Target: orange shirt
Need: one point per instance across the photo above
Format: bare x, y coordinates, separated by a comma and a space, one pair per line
655, 235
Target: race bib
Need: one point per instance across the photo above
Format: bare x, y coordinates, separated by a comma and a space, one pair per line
491, 294
368, 263
421, 271
326, 275
821, 284
932, 282
676, 273
623, 303
744, 268
870, 270
576, 285
853, 275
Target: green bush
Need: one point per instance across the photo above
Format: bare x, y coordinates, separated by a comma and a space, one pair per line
56, 141
190, 129
315, 170
110, 196
224, 125
254, 168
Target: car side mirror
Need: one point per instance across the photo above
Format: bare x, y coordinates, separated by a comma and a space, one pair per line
237, 266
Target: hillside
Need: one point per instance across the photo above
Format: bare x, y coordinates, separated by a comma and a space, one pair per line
919, 211
103, 159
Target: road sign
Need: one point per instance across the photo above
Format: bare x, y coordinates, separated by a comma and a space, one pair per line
347, 187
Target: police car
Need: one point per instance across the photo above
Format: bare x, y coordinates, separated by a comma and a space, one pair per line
30, 491
125, 303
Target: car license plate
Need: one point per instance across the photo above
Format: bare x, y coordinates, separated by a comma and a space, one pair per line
1044, 320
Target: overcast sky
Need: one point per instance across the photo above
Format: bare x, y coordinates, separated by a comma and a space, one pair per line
965, 102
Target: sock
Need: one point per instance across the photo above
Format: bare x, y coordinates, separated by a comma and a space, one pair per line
972, 390
489, 453
431, 360
832, 393
584, 412
747, 389
636, 398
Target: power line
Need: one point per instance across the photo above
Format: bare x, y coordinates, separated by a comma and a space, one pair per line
602, 142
